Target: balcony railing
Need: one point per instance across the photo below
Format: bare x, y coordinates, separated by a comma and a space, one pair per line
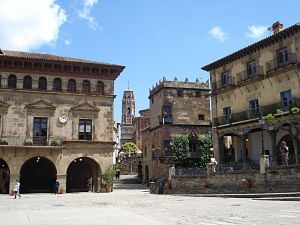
251, 114
230, 81
39, 141
246, 74
278, 63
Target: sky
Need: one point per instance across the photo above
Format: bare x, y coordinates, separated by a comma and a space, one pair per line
152, 38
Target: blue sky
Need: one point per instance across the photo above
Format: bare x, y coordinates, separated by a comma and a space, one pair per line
152, 38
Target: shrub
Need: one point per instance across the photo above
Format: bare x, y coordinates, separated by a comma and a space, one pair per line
3, 142
278, 111
28, 143
269, 117
295, 110
54, 143
108, 176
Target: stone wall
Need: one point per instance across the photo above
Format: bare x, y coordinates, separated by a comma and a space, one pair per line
279, 179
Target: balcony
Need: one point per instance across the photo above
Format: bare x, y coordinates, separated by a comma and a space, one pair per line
280, 63
39, 141
246, 75
230, 81
250, 114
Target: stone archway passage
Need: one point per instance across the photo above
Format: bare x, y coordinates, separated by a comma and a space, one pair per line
38, 175
4, 177
82, 175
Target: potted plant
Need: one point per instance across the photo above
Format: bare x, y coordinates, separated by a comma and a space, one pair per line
246, 183
3, 142
108, 179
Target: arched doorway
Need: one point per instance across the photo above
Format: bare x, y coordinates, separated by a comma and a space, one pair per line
289, 142
82, 175
4, 177
38, 175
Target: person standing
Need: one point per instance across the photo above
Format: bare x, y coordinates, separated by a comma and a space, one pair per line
56, 187
284, 149
17, 189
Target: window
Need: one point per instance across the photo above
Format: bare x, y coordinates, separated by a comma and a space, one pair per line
42, 83
167, 116
12, 81
193, 142
27, 82
167, 145
85, 129
72, 85
286, 100
86, 86
197, 94
251, 68
40, 131
57, 84
227, 114
225, 79
179, 93
254, 107
128, 110
201, 117
282, 57
100, 88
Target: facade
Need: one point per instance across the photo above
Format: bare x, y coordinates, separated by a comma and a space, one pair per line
128, 112
56, 118
176, 108
255, 99
117, 146
140, 123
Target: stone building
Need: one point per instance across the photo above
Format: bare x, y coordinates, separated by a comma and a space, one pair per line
56, 118
176, 108
255, 99
128, 112
140, 123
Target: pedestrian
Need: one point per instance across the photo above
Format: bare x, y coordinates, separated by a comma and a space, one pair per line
284, 149
17, 189
118, 174
89, 184
56, 187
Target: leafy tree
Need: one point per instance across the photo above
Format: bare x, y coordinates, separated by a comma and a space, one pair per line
204, 146
129, 146
181, 147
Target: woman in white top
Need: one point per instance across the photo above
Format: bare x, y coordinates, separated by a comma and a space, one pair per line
17, 189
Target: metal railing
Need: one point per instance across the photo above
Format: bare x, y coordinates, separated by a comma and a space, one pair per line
277, 62
246, 74
200, 171
39, 141
279, 160
216, 85
160, 182
237, 166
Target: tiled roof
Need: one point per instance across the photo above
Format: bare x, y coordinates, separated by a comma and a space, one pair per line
252, 48
44, 56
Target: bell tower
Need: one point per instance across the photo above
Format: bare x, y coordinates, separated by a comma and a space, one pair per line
128, 113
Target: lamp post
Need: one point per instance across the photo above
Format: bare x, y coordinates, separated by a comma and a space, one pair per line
262, 123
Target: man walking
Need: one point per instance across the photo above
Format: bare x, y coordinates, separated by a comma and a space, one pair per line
17, 189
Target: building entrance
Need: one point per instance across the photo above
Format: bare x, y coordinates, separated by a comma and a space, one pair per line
82, 175
4, 177
38, 175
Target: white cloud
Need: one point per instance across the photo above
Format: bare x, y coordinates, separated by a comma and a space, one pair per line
217, 33
67, 42
26, 25
85, 12
256, 32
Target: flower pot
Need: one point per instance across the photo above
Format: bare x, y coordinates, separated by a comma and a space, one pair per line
246, 183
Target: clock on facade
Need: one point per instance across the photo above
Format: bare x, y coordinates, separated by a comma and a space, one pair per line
63, 118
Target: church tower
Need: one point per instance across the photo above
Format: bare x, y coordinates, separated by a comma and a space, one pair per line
128, 112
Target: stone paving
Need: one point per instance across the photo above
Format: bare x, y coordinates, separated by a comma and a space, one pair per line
133, 205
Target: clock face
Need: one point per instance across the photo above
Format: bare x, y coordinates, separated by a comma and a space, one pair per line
63, 118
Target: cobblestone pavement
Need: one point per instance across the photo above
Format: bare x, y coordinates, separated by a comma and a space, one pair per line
133, 205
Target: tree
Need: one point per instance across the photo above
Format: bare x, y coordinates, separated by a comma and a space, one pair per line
181, 147
204, 146
129, 147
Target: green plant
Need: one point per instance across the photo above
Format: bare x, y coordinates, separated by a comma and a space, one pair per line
108, 176
269, 117
295, 110
129, 147
28, 143
181, 147
278, 111
3, 142
204, 146
54, 143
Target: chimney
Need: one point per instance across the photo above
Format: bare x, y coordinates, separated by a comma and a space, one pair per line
277, 27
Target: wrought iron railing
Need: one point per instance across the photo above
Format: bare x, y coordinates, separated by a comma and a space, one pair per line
39, 141
160, 182
190, 171
237, 166
246, 74
279, 160
277, 63
216, 85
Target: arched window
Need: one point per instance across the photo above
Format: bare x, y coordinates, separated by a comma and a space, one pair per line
193, 138
100, 88
86, 86
27, 82
72, 85
42, 83
57, 84
12, 81
128, 110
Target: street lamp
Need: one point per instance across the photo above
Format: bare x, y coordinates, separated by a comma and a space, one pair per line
262, 123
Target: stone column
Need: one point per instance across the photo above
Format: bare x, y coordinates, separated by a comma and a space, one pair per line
218, 147
263, 163
98, 184
273, 135
62, 179
210, 169
242, 150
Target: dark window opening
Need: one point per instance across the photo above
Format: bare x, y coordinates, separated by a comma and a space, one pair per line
42, 83
100, 88
201, 117
72, 85
85, 129
40, 131
12, 81
286, 100
57, 86
86, 86
180, 93
167, 114
27, 82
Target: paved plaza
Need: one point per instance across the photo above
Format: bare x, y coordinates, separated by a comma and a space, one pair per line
133, 205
